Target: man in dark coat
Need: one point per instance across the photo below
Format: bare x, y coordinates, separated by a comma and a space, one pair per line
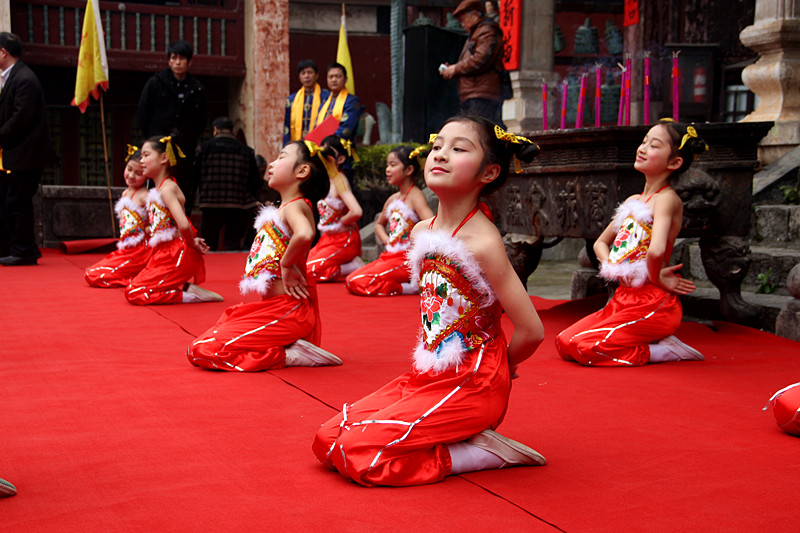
229, 182
173, 102
480, 63
26, 149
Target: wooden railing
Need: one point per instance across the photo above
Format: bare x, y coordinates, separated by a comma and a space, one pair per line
136, 35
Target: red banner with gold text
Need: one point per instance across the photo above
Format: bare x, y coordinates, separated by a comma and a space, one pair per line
510, 22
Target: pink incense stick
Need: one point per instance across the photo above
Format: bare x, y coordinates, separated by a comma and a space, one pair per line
646, 113
544, 105
581, 98
675, 91
621, 114
598, 74
564, 105
628, 74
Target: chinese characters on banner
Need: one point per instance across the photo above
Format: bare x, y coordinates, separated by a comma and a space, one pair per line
510, 21
631, 13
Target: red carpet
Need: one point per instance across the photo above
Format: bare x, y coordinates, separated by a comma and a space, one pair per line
106, 426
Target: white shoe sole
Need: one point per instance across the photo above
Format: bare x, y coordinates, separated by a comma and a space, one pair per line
681, 349
303, 353
512, 452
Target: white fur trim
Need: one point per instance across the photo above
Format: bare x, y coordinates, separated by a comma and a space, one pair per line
336, 204
633, 274
128, 203
399, 205
408, 214
449, 354
269, 213
442, 244
164, 235
260, 284
125, 202
634, 207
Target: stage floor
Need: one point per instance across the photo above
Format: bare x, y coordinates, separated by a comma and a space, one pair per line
106, 426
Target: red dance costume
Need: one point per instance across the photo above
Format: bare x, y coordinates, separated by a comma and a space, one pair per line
384, 276
172, 264
250, 337
338, 244
786, 408
458, 386
117, 268
638, 314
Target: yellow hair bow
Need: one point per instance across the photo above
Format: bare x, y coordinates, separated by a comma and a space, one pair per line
432, 138
131, 150
171, 150
351, 151
316, 151
503, 135
667, 119
690, 133
415, 154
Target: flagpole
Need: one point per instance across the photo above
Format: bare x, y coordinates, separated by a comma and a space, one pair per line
105, 159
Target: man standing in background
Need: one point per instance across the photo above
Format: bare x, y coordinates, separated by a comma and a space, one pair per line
25, 150
302, 107
229, 182
480, 63
173, 102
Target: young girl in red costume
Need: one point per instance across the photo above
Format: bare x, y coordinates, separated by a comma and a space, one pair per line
637, 325
279, 330
177, 253
436, 420
389, 274
338, 251
132, 253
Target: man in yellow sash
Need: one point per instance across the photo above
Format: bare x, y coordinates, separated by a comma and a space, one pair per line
340, 103
303, 106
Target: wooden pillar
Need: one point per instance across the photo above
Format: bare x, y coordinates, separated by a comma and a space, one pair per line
259, 108
5, 15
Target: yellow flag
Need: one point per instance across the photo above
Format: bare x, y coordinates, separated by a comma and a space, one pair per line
343, 56
92, 62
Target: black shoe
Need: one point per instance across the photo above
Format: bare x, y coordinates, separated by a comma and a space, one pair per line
13, 260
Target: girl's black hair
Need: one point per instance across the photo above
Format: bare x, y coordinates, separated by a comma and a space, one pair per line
135, 156
402, 153
335, 143
693, 146
159, 146
316, 186
496, 151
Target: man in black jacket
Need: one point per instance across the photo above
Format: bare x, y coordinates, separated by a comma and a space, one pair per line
229, 182
173, 102
25, 150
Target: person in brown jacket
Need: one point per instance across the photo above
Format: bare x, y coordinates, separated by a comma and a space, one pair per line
480, 63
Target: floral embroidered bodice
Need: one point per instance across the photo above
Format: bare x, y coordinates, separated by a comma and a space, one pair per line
132, 223
162, 226
263, 264
331, 209
459, 310
628, 253
401, 221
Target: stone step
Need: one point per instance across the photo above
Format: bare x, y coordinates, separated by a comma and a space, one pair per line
775, 259
703, 304
778, 223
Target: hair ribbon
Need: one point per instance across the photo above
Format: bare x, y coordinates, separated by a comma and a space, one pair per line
131, 150
503, 135
171, 150
351, 151
691, 133
316, 151
415, 154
